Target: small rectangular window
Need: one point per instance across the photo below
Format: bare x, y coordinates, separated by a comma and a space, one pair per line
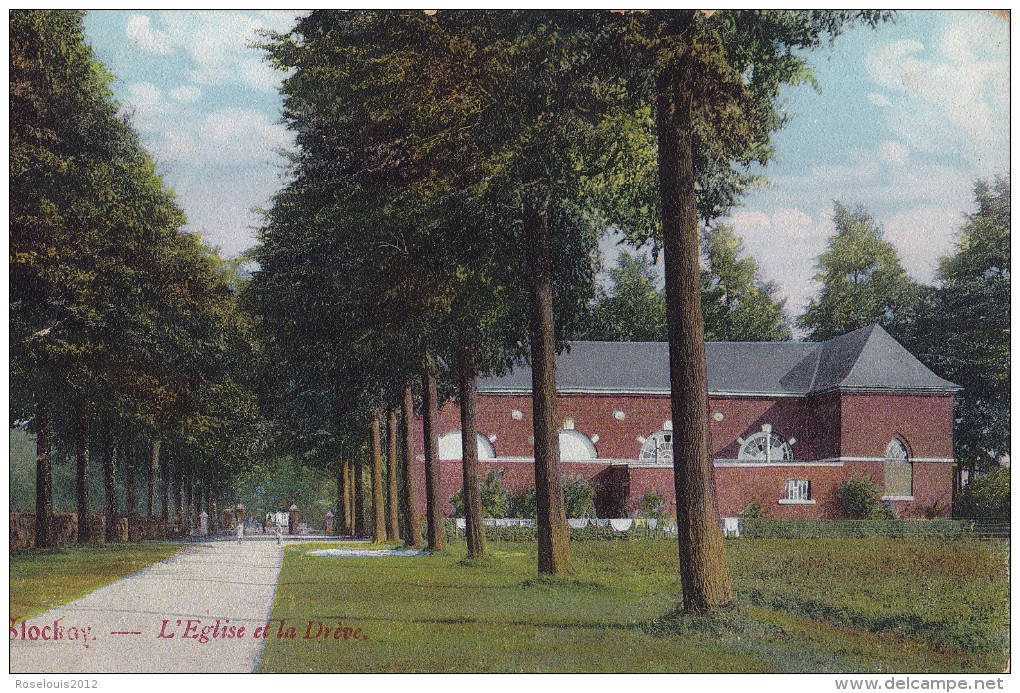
798, 490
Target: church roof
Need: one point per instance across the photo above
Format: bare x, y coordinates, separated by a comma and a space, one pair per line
868, 359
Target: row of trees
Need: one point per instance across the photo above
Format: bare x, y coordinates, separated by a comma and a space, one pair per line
126, 339
454, 173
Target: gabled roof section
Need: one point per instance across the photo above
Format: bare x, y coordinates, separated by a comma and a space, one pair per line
863, 360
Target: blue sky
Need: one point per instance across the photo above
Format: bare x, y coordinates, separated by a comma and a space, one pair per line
905, 120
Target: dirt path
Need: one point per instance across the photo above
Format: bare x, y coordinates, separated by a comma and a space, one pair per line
118, 628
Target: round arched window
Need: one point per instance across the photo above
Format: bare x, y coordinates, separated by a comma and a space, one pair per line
657, 448
575, 445
450, 447
766, 446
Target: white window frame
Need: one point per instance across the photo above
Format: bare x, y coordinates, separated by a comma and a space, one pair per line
657, 449
752, 449
797, 492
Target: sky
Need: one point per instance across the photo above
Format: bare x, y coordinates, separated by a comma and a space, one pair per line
905, 120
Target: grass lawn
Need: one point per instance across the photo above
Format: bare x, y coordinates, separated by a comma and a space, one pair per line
867, 605
44, 578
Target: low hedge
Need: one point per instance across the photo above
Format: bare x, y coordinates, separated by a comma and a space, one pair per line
755, 528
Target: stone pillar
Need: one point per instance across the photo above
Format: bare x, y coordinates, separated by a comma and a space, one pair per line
293, 520
203, 523
329, 522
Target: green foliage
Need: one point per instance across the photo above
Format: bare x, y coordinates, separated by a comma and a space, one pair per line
961, 328
986, 498
752, 511
632, 309
496, 501
861, 277
737, 305
523, 504
888, 528
861, 499
577, 497
653, 505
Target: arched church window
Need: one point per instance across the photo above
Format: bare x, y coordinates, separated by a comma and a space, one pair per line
657, 448
766, 446
899, 470
450, 446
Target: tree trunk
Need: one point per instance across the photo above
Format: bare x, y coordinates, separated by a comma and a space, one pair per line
392, 516
436, 532
210, 507
81, 459
197, 510
182, 500
704, 578
186, 508
343, 511
43, 478
412, 535
359, 496
153, 475
110, 486
475, 530
167, 488
129, 483
378, 511
553, 539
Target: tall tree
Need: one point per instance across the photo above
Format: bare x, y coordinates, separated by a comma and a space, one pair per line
861, 276
392, 516
961, 328
712, 79
412, 535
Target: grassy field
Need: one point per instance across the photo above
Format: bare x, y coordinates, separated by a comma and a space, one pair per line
862, 605
44, 578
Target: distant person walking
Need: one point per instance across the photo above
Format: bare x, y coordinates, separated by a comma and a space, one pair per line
279, 533
240, 531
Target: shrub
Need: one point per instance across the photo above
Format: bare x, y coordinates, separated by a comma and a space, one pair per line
577, 496
860, 498
986, 498
753, 510
523, 504
495, 499
651, 504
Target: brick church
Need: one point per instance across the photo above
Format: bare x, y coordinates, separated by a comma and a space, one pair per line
788, 422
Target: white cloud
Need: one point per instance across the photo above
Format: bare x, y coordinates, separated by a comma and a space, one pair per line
144, 96
893, 153
921, 236
219, 44
953, 93
140, 32
878, 99
240, 135
846, 174
186, 93
786, 245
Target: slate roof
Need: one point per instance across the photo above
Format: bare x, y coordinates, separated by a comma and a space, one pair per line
868, 359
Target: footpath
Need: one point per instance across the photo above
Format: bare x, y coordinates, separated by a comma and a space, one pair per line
201, 597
